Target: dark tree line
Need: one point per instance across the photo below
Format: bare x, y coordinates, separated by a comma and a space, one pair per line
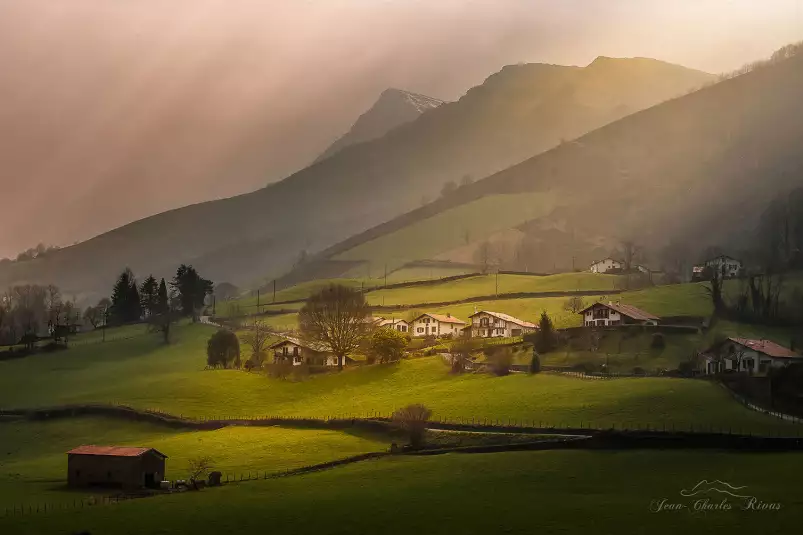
131, 302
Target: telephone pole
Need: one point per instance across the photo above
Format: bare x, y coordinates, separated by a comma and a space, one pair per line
274, 290
386, 275
257, 301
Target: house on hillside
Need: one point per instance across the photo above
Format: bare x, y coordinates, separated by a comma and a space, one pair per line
487, 324
755, 357
611, 314
298, 352
606, 265
437, 325
722, 264
115, 466
396, 324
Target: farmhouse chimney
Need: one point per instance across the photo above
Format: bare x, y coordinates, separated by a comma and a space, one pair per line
448, 314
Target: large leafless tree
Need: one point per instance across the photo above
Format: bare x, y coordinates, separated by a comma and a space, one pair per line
335, 317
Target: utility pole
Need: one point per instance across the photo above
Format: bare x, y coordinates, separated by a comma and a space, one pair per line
105, 316
257, 301
274, 290
386, 274
497, 282
214, 304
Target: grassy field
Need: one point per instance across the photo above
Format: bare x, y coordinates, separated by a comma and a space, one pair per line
426, 239
571, 492
487, 285
143, 373
33, 460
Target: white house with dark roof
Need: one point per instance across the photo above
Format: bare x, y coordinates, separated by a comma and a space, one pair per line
605, 265
747, 355
611, 314
487, 324
298, 352
436, 325
728, 265
395, 324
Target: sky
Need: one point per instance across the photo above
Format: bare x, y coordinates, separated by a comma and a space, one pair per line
111, 111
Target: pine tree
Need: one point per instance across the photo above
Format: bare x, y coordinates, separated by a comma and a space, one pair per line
121, 294
545, 339
192, 289
162, 299
134, 306
149, 296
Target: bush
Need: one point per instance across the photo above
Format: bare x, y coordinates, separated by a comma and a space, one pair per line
585, 367
280, 370
413, 419
222, 349
387, 345
535, 363
658, 341
686, 369
500, 361
639, 371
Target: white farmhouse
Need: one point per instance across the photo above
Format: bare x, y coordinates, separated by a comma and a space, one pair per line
747, 355
725, 264
487, 324
611, 314
606, 265
299, 352
437, 325
396, 324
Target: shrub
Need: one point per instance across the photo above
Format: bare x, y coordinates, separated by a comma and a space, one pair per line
250, 365
222, 349
535, 363
686, 369
639, 371
585, 367
658, 341
387, 345
413, 419
280, 370
501, 360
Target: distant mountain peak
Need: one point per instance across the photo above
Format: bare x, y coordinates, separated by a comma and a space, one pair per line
393, 108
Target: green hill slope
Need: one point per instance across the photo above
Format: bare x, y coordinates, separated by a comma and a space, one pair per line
697, 170
145, 374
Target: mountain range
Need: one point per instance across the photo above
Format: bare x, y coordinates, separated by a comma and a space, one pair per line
521, 111
685, 175
394, 108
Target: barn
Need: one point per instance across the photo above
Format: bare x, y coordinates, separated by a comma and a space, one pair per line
115, 466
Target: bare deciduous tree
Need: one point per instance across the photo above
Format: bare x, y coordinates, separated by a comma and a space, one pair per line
257, 339
414, 420
574, 304
197, 467
335, 317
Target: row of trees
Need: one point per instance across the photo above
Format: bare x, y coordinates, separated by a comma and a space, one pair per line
28, 311
131, 302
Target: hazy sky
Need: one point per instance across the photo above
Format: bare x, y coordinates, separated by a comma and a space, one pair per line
111, 110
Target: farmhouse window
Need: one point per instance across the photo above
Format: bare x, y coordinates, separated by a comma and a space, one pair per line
420, 329
295, 351
484, 322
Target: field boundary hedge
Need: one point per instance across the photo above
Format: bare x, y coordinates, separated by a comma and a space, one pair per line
375, 421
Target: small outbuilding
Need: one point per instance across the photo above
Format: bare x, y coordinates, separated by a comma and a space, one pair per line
115, 466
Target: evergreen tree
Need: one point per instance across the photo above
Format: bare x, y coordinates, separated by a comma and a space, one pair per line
149, 296
133, 306
192, 289
162, 299
122, 310
545, 340
535, 362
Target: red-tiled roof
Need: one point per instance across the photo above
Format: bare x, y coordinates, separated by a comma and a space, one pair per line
441, 317
765, 347
506, 317
626, 310
113, 451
